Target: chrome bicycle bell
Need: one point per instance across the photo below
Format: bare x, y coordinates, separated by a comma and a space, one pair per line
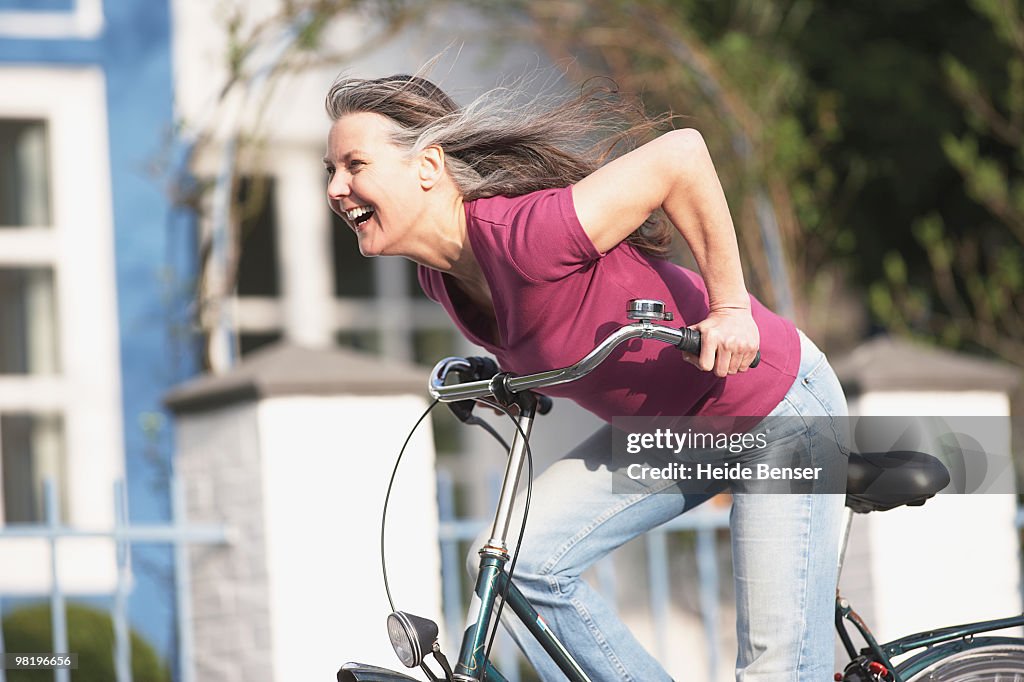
647, 309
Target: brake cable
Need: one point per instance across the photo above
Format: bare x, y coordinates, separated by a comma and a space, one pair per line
472, 419
387, 499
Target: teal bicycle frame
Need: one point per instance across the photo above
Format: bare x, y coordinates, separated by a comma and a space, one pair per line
953, 639
493, 583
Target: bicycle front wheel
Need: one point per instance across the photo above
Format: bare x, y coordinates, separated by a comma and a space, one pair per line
1001, 661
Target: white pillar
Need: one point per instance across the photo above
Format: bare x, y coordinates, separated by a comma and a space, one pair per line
292, 451
304, 248
954, 560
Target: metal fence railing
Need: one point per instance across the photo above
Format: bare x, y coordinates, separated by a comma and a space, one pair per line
178, 534
455, 535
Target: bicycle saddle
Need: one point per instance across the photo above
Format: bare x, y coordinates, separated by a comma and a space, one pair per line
879, 481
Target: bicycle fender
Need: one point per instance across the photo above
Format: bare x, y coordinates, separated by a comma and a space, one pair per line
360, 672
933, 655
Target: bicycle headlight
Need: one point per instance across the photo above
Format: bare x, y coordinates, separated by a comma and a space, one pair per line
411, 636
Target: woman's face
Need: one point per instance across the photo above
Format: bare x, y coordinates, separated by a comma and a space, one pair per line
371, 184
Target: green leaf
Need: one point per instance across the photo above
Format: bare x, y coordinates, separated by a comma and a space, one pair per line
960, 77
987, 182
881, 303
895, 268
1017, 197
961, 152
1009, 271
929, 230
1015, 90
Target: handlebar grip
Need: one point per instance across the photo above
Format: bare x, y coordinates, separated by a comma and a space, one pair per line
691, 344
481, 369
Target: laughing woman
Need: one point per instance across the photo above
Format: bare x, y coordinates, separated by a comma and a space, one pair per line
532, 244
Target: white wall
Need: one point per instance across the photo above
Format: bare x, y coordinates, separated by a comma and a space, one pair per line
290, 121
326, 466
218, 460
295, 113
954, 560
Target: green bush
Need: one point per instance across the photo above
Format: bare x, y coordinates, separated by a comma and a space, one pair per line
90, 635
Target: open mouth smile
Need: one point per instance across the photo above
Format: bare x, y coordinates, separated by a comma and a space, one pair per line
359, 215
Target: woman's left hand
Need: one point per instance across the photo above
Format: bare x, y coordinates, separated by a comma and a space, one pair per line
729, 341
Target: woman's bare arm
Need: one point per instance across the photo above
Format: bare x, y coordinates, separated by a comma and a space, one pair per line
675, 172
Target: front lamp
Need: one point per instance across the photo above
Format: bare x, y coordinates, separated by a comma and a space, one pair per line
412, 637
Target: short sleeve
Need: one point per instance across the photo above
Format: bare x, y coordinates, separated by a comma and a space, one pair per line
545, 239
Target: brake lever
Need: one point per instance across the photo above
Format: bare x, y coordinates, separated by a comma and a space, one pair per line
480, 368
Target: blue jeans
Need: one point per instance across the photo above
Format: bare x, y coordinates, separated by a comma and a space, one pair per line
784, 546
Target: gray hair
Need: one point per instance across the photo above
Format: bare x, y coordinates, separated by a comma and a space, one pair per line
500, 145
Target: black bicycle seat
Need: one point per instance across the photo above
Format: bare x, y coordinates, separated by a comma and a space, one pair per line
879, 481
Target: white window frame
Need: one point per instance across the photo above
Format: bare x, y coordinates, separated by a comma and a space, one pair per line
84, 21
79, 247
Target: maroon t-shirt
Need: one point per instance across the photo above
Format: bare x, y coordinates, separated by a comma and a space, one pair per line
556, 297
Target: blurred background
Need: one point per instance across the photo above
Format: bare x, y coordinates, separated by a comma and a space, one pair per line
203, 385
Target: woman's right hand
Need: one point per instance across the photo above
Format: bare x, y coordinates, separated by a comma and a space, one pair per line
729, 341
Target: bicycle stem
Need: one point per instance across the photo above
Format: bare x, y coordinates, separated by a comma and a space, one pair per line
510, 483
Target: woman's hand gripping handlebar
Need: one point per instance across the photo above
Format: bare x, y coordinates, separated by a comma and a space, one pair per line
504, 387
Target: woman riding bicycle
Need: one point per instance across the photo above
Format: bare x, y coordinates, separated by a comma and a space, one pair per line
532, 245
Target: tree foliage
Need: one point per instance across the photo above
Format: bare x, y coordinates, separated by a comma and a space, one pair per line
730, 75
887, 140
976, 293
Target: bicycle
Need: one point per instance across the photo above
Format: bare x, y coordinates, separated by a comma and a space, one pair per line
875, 482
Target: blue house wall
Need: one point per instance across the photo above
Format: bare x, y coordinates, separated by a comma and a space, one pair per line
154, 256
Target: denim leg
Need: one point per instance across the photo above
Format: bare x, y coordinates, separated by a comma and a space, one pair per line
784, 561
575, 519
785, 550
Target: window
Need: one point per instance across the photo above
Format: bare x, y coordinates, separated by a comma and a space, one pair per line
60, 383
257, 265
373, 305
247, 343
51, 18
27, 321
24, 176
299, 262
38, 5
33, 451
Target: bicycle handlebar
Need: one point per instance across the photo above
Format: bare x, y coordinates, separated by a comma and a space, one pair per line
684, 339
